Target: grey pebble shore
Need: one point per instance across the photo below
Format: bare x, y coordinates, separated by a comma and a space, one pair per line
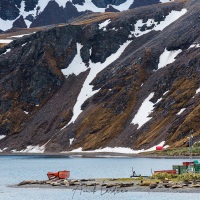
111, 186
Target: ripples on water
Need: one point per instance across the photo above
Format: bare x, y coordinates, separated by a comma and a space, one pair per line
17, 168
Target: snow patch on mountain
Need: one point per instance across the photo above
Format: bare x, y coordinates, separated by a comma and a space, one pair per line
19, 36
165, 92
71, 141
145, 109
28, 23
39, 8
124, 6
194, 46
88, 5
31, 149
104, 24
24, 44
180, 111
5, 41
6, 24
120, 149
95, 68
25, 14
152, 25
173, 16
198, 90
2, 150
26, 112
2, 136
62, 3
77, 65
139, 24
166, 1
7, 50
41, 5
167, 57
196, 93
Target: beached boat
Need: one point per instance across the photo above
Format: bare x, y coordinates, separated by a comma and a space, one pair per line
60, 174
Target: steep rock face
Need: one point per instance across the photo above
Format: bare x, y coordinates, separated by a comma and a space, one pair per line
111, 9
41, 13
79, 2
30, 5
54, 14
8, 10
35, 78
19, 23
138, 3
87, 82
105, 3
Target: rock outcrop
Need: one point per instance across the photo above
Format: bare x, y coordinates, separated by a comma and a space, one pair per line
34, 13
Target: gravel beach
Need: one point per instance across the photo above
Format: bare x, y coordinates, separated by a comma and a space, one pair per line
112, 185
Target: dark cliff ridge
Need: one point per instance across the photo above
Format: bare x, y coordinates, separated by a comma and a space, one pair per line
33, 13
128, 79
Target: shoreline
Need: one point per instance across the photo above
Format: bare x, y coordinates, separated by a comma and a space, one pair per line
112, 190
106, 186
98, 155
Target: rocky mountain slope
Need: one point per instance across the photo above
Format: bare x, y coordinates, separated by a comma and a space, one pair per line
125, 79
33, 13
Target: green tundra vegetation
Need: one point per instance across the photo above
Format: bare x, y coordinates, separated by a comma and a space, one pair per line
176, 177
179, 151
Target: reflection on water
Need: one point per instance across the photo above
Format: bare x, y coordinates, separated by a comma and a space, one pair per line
15, 169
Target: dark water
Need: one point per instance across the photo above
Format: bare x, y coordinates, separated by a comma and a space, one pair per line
15, 169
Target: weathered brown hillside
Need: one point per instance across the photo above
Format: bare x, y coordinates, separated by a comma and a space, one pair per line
37, 100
